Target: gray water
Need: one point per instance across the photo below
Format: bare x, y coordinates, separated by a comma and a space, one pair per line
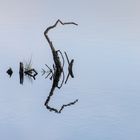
105, 47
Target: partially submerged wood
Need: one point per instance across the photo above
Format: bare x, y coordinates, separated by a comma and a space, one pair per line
9, 72
58, 68
21, 72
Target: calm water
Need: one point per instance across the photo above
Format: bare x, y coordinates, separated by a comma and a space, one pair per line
105, 47
106, 83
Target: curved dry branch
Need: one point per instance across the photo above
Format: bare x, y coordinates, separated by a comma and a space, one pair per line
58, 21
54, 52
58, 68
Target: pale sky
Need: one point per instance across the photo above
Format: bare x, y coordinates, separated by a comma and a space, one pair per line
100, 22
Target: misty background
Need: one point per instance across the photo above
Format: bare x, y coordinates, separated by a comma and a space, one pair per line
106, 48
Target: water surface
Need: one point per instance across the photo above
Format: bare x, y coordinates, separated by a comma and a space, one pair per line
105, 47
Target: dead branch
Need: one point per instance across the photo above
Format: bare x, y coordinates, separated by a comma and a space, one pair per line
53, 26
58, 68
21, 72
55, 55
57, 63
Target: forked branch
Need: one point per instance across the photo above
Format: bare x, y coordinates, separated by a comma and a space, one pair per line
62, 23
58, 68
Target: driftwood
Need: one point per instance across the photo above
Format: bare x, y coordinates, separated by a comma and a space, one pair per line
58, 68
21, 72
